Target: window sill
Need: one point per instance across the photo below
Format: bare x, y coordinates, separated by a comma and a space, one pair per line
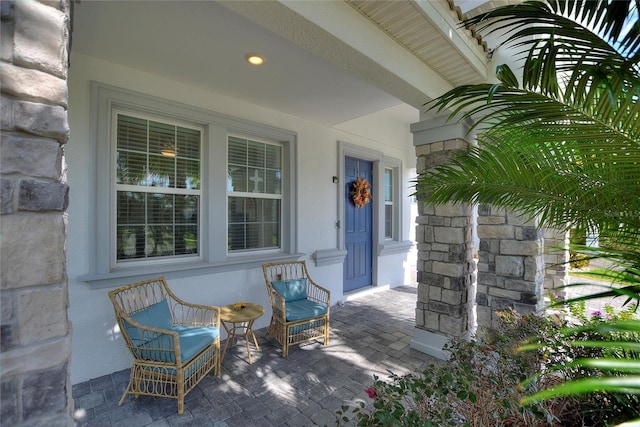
390, 247
123, 276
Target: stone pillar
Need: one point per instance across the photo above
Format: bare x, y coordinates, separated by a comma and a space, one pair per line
36, 336
445, 248
556, 259
510, 265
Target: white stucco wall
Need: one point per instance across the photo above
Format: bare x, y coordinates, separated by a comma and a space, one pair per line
97, 347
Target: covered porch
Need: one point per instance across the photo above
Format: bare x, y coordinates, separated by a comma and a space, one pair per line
323, 95
370, 335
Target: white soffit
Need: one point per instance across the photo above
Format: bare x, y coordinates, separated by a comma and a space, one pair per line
429, 29
474, 7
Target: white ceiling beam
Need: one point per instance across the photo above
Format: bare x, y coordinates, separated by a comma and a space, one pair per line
448, 25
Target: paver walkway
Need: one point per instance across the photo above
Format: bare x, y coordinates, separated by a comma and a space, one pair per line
369, 336
589, 287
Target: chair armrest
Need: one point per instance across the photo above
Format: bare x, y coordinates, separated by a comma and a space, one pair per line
278, 304
317, 293
188, 314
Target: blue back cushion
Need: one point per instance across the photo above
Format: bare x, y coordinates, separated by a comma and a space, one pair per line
291, 290
157, 315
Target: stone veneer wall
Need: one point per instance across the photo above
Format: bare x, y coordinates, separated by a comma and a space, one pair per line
512, 269
510, 266
36, 336
556, 260
445, 253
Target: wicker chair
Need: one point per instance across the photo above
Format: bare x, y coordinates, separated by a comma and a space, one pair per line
300, 307
174, 344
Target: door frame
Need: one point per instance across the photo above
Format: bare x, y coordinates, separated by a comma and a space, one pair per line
349, 150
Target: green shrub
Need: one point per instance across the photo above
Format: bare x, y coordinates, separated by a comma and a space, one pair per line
576, 259
485, 380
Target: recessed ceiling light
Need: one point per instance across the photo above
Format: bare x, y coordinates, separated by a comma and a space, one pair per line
255, 59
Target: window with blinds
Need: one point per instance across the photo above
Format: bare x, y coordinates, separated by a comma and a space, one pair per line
158, 189
254, 192
388, 203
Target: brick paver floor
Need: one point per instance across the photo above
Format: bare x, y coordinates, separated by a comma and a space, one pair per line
369, 336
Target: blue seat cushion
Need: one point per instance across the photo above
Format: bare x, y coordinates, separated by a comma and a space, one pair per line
291, 290
193, 339
304, 309
156, 315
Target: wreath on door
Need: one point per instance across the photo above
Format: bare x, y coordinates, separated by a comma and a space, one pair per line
360, 192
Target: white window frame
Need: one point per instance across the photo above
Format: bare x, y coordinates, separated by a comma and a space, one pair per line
103, 271
391, 203
262, 196
396, 244
115, 263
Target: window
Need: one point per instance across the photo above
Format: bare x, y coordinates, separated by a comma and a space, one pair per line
180, 188
157, 184
254, 191
388, 204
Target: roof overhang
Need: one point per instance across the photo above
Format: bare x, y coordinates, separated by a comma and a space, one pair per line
327, 61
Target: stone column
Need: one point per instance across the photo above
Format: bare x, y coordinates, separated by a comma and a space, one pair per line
556, 259
510, 265
445, 247
36, 337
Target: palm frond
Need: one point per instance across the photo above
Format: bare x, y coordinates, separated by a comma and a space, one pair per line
562, 146
628, 385
602, 23
576, 61
532, 180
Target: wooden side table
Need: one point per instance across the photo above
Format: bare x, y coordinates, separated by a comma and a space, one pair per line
237, 320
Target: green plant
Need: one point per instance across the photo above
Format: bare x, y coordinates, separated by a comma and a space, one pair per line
561, 144
591, 355
577, 260
485, 380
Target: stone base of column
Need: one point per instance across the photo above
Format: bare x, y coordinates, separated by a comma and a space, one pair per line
430, 343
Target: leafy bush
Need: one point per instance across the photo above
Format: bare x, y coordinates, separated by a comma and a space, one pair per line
485, 380
577, 259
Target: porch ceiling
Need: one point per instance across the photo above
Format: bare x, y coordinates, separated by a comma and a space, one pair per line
310, 70
426, 31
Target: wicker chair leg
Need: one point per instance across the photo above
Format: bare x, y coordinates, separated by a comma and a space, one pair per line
270, 329
216, 370
180, 390
129, 388
123, 396
326, 333
285, 333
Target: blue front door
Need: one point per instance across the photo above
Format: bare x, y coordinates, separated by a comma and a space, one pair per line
357, 228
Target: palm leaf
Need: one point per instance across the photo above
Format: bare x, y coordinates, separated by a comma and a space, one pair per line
629, 385
534, 181
562, 147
